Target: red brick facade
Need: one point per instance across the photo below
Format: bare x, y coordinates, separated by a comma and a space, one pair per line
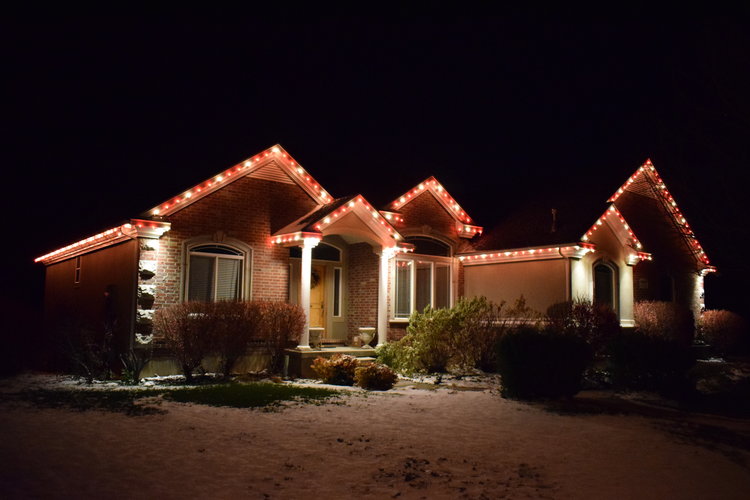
425, 215
363, 288
249, 210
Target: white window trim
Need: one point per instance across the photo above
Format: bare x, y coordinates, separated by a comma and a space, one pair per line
246, 282
432, 260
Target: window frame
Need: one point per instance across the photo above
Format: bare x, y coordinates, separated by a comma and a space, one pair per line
245, 258
77, 271
433, 261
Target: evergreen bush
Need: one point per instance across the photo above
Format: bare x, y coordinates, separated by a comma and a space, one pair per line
541, 364
641, 361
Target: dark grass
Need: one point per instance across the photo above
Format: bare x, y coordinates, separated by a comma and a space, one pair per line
146, 402
127, 402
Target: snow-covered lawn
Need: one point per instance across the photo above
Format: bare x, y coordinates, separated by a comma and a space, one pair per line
456, 439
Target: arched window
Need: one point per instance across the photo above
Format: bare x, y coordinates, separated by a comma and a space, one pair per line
605, 280
215, 272
423, 278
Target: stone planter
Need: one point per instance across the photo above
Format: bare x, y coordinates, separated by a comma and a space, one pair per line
316, 337
366, 334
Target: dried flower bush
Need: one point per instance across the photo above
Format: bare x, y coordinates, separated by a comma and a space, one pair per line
339, 369
375, 377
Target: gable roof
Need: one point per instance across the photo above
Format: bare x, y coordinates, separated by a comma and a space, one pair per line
272, 164
313, 223
647, 185
431, 185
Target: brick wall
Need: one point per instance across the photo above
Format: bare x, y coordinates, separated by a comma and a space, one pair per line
425, 210
249, 210
363, 288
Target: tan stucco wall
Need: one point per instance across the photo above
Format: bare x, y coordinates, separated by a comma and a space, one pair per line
542, 283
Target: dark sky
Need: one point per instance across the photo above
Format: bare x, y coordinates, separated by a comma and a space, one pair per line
106, 117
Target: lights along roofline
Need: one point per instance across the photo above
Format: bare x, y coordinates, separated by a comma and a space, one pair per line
295, 171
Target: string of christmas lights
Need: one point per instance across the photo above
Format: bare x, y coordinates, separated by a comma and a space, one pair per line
652, 176
441, 194
245, 167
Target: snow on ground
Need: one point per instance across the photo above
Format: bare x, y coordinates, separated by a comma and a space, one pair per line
456, 439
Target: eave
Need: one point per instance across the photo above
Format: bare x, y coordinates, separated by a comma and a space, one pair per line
136, 228
242, 169
565, 251
659, 188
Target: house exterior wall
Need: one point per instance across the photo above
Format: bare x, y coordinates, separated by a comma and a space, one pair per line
542, 283
656, 281
110, 271
248, 210
363, 288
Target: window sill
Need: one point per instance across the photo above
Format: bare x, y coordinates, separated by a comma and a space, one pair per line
399, 320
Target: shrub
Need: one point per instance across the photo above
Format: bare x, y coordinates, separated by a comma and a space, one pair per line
186, 330
339, 369
640, 361
87, 350
280, 324
665, 320
596, 324
460, 338
725, 331
375, 377
535, 363
234, 324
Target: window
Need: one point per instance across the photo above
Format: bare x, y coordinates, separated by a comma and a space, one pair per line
215, 272
337, 291
423, 280
77, 278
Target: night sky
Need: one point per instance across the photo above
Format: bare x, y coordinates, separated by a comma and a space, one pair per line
105, 117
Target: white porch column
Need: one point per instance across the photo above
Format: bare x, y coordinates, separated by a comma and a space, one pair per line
304, 289
385, 258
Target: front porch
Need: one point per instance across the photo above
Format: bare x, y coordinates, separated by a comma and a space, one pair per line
300, 360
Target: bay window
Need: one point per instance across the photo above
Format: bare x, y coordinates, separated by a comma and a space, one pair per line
423, 278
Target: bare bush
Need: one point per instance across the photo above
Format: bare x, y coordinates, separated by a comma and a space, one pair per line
187, 333
666, 320
724, 330
235, 323
280, 326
